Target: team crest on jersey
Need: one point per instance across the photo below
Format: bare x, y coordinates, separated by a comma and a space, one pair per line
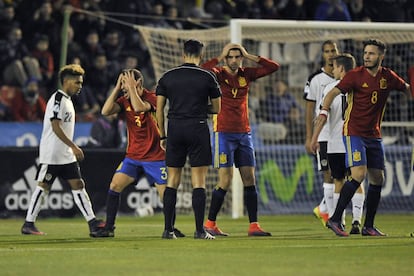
223, 158
383, 83
48, 176
356, 156
365, 85
242, 81
56, 108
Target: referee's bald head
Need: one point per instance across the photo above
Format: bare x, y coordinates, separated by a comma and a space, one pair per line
193, 47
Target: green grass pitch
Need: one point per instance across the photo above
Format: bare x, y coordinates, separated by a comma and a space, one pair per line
299, 246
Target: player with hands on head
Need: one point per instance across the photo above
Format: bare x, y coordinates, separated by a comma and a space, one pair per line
232, 142
368, 88
136, 105
59, 156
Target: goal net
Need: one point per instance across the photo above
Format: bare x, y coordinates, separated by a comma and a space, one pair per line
287, 178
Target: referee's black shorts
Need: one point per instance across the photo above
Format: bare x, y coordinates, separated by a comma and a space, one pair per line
188, 137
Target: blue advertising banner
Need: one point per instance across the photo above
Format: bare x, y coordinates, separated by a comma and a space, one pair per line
28, 134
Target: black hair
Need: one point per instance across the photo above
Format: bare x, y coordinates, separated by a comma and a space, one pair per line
346, 60
193, 47
376, 42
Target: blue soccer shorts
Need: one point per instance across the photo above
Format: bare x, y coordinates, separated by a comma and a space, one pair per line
155, 171
362, 151
233, 148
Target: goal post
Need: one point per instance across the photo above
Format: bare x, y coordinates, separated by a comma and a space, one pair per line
286, 177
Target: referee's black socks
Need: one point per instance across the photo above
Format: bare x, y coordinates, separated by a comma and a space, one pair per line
199, 205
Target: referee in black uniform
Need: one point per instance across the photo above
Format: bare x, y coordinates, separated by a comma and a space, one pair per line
189, 90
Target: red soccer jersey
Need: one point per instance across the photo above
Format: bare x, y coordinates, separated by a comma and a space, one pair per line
367, 96
234, 114
143, 132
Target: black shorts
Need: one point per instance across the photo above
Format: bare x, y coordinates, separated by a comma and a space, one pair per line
322, 156
337, 165
48, 173
188, 138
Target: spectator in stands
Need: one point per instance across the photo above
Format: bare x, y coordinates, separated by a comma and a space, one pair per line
218, 16
45, 58
247, 9
74, 49
16, 64
7, 93
172, 18
113, 45
27, 104
296, 10
43, 23
82, 23
106, 132
277, 104
157, 18
389, 10
91, 48
97, 86
7, 19
269, 10
332, 10
357, 11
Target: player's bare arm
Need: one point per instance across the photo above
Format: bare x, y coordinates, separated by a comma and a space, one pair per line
215, 106
309, 109
159, 114
327, 102
110, 106
57, 129
135, 90
317, 128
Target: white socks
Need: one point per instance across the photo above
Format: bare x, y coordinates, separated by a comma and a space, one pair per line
357, 206
36, 202
328, 191
84, 203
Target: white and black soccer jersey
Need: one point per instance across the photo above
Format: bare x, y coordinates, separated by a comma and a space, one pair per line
313, 92
336, 120
52, 150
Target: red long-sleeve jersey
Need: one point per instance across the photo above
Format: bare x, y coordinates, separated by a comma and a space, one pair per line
234, 115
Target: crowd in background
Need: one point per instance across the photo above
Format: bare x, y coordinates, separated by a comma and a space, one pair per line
30, 41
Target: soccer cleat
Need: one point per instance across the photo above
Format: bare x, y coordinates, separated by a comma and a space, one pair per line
178, 233
95, 225
323, 217
372, 231
168, 235
412, 234
257, 231
203, 236
211, 227
336, 227
29, 228
103, 233
356, 228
